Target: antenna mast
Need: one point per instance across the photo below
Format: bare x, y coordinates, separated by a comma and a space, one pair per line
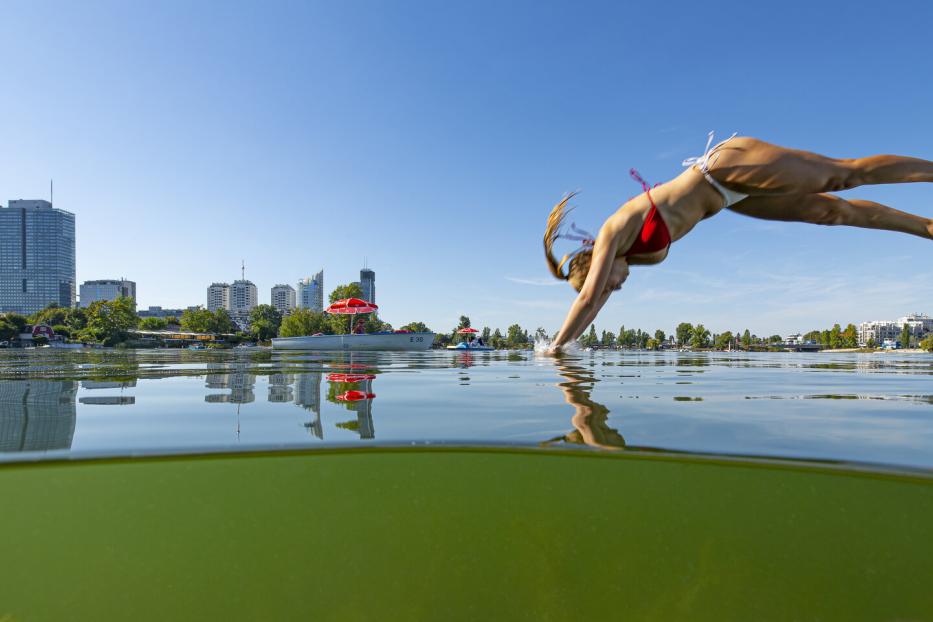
243, 269
52, 192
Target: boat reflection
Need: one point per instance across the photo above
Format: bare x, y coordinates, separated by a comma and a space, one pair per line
590, 418
37, 415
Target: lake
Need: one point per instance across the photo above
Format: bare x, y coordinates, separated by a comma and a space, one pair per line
874, 408
256, 485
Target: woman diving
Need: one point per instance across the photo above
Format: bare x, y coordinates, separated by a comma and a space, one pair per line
746, 175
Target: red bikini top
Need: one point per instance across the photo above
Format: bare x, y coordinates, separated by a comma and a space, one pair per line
654, 235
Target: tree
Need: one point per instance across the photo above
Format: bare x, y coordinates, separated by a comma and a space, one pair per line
746, 339
416, 327
700, 337
927, 343
464, 322
200, 320
905, 336
11, 325
659, 336
302, 322
264, 322
608, 340
497, 341
152, 323
723, 341
684, 332
351, 290
835, 337
590, 339
813, 335
653, 344
850, 336
871, 343
516, 337
109, 320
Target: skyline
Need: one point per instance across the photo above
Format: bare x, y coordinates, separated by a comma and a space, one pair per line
186, 138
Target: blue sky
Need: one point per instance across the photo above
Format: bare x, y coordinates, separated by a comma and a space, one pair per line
432, 140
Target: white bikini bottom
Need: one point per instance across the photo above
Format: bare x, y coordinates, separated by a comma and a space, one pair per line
730, 196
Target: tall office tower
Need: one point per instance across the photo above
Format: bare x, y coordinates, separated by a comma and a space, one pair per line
243, 297
106, 289
37, 257
283, 298
218, 296
368, 285
311, 292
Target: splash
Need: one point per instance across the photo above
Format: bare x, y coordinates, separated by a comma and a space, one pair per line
543, 346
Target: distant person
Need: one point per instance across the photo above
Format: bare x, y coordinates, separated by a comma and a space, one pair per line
746, 175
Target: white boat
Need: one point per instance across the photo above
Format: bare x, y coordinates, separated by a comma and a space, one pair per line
357, 342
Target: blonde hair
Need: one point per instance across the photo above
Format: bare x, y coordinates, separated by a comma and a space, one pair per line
578, 264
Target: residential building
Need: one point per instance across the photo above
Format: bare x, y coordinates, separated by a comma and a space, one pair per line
311, 292
218, 296
368, 285
880, 331
243, 297
283, 298
37, 257
107, 289
918, 323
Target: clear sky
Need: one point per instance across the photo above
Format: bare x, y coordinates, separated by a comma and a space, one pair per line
432, 140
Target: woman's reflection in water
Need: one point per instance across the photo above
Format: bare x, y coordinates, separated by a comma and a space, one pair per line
590, 419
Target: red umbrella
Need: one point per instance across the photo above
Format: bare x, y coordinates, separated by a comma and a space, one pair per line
465, 331
351, 306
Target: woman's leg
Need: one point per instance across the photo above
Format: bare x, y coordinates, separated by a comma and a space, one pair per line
828, 209
754, 167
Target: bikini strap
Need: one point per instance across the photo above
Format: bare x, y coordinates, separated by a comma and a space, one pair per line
703, 160
644, 184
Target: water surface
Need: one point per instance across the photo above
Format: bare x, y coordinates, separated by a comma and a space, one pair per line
874, 408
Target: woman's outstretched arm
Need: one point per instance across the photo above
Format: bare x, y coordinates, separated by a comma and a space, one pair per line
595, 291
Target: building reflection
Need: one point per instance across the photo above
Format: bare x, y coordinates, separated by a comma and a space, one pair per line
236, 377
308, 396
37, 415
107, 400
590, 419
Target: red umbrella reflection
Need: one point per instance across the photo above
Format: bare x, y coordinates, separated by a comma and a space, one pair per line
355, 396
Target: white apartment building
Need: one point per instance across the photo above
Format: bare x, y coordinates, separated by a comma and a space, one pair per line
880, 331
311, 292
106, 289
243, 297
218, 296
283, 298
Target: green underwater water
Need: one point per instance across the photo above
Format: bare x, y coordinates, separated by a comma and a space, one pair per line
462, 534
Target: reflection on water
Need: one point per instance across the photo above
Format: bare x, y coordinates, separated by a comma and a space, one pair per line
37, 415
590, 419
839, 407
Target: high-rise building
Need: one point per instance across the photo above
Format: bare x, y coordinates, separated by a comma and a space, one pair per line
106, 289
37, 256
243, 297
283, 298
218, 296
368, 285
311, 292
